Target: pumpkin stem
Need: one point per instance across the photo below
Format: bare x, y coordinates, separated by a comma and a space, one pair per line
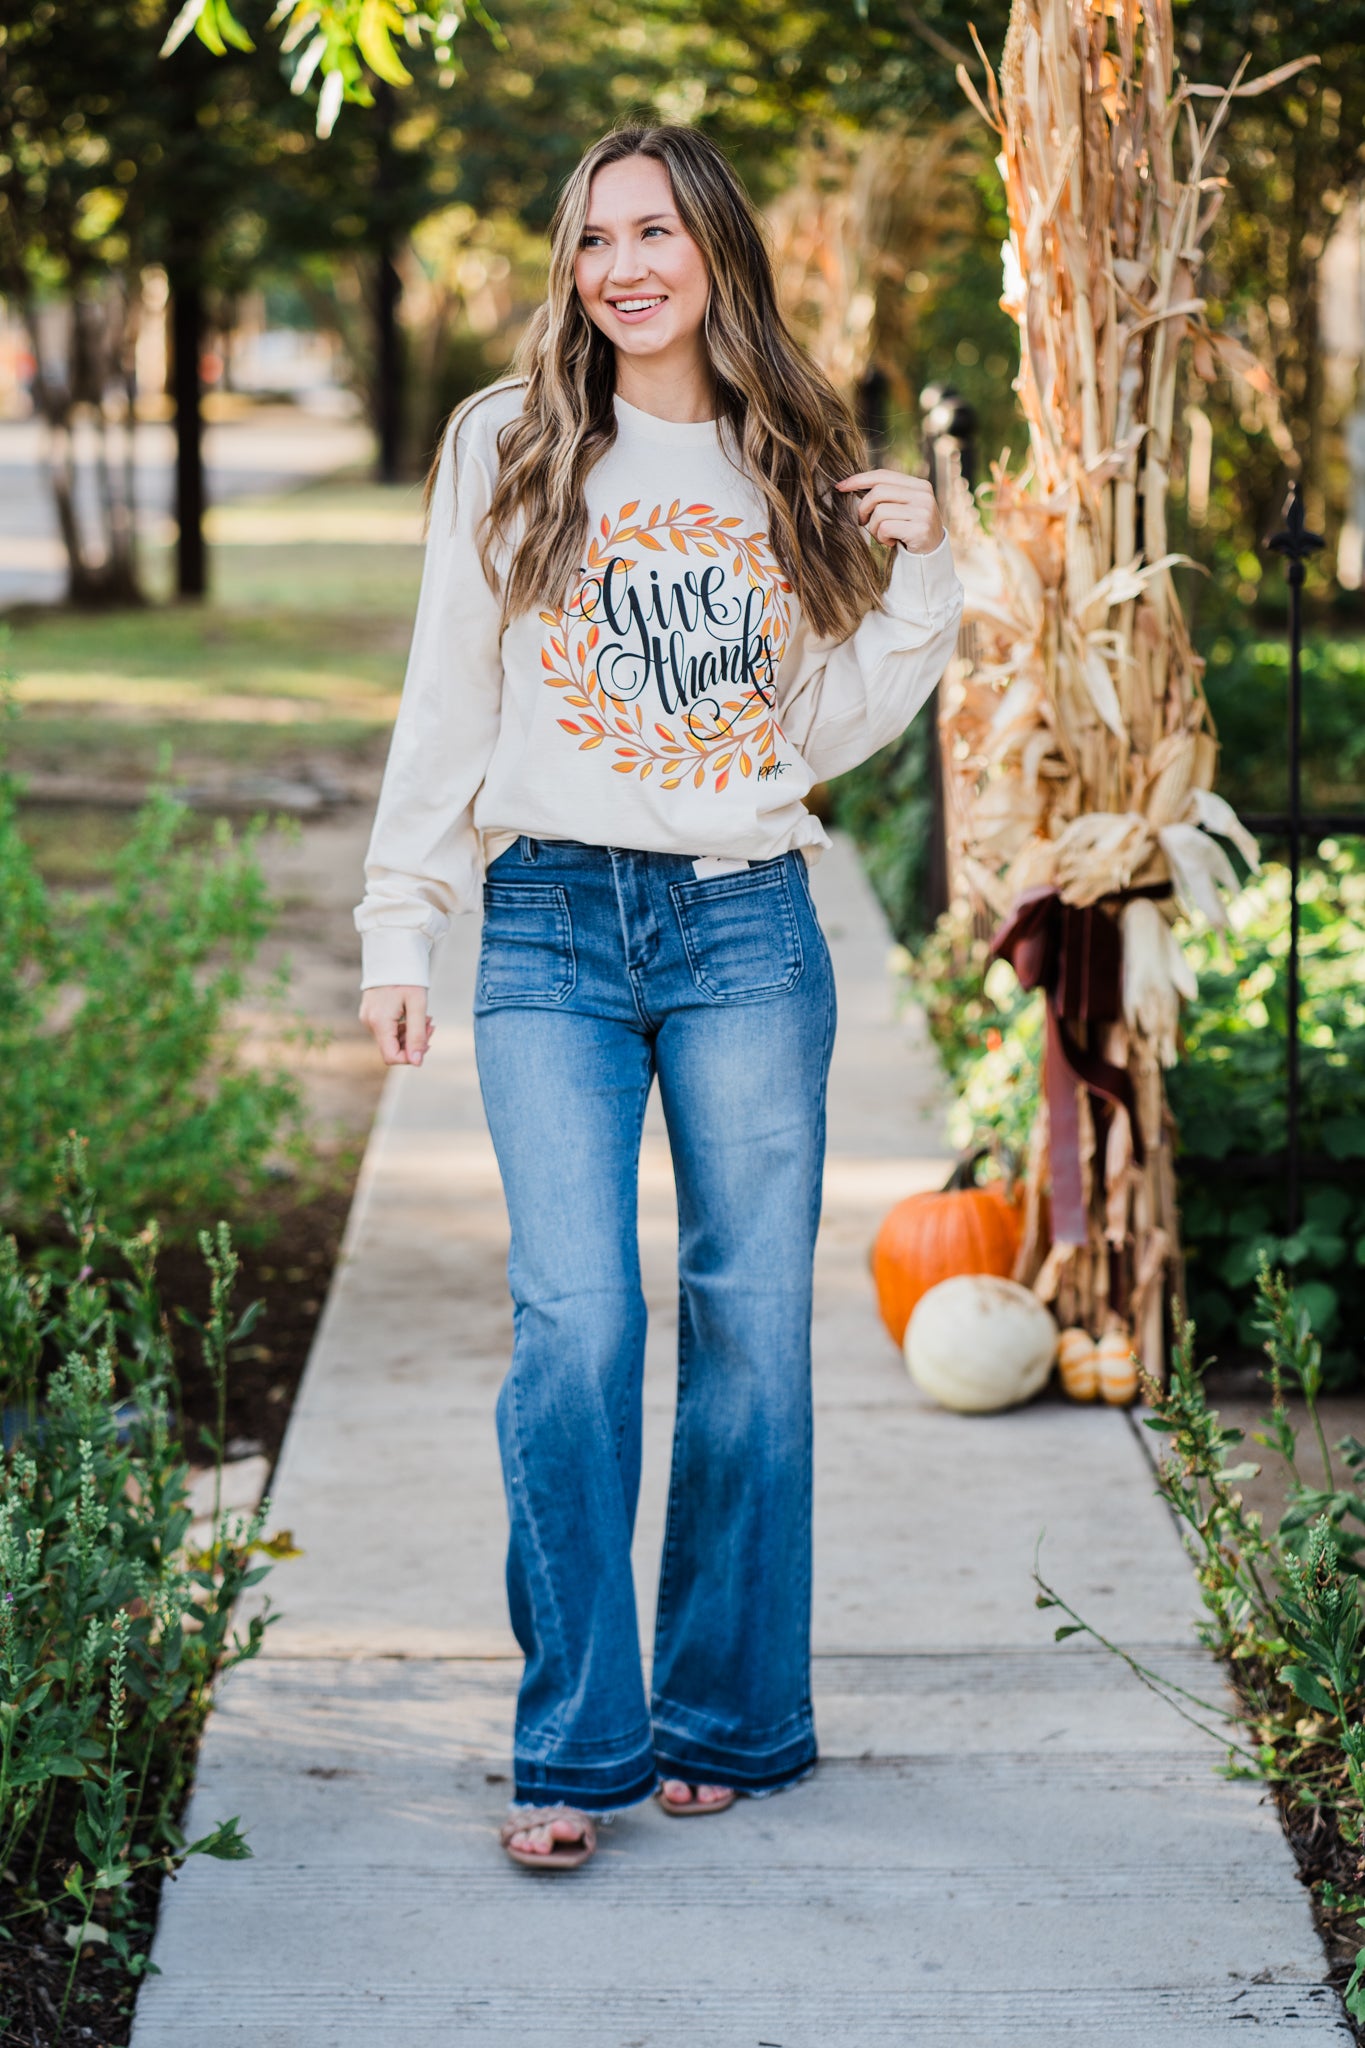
963, 1174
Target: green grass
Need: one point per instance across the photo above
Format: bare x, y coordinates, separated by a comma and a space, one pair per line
298, 652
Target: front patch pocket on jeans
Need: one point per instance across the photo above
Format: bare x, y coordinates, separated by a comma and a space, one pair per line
740, 933
527, 954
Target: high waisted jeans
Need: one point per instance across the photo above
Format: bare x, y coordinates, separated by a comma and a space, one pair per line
601, 969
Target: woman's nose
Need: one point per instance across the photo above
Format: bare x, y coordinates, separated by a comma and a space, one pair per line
627, 265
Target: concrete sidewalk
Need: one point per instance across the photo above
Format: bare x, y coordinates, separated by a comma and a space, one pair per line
1007, 1841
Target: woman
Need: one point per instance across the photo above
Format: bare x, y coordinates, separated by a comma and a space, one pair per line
650, 620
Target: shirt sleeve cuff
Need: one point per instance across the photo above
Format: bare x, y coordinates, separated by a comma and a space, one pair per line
926, 583
395, 956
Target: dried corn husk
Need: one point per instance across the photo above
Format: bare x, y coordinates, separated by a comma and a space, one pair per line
1077, 747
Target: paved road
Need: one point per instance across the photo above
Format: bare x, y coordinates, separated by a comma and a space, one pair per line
1007, 1841
269, 449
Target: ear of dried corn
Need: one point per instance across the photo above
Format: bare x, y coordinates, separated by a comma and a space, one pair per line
1078, 750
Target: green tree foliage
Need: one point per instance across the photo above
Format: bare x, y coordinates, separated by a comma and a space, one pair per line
1291, 158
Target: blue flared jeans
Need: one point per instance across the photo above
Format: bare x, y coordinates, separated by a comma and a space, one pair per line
602, 969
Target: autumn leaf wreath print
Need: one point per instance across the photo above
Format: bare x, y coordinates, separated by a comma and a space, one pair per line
669, 648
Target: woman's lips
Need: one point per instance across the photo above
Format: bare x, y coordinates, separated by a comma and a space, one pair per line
641, 307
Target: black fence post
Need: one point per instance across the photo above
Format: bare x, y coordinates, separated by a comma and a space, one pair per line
1297, 545
948, 418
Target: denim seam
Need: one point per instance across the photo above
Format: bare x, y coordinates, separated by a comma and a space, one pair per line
584, 1754
543, 1564
663, 1603
761, 1743
632, 1390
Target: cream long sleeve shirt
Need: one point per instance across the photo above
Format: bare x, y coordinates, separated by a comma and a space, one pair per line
677, 703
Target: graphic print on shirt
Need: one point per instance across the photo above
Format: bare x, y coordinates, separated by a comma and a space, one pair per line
675, 666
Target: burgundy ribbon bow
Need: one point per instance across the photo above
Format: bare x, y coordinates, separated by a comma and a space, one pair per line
1075, 955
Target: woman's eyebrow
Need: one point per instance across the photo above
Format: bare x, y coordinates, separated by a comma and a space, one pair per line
591, 227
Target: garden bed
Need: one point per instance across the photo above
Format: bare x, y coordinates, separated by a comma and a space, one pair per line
286, 1268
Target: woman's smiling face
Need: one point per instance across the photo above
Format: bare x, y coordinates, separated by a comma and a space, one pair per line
640, 276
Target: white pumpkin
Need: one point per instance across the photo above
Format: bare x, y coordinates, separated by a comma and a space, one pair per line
976, 1343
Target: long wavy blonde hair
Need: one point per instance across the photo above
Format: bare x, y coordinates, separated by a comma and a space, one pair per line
792, 432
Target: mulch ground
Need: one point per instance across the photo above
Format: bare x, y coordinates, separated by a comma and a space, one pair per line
289, 1273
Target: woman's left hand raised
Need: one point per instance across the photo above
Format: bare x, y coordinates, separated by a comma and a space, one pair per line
897, 507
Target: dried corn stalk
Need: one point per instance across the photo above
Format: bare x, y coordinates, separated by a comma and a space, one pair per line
1078, 750
863, 215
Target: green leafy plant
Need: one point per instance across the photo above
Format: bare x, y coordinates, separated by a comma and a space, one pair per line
1282, 1606
1228, 1095
885, 805
114, 1619
1247, 683
115, 1020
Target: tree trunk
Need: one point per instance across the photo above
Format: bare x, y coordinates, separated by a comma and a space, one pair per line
187, 333
60, 403
388, 370
388, 293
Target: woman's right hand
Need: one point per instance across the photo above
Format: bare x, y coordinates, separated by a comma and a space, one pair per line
397, 1020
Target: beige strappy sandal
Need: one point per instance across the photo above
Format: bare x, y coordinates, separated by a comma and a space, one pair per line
564, 1855
690, 1807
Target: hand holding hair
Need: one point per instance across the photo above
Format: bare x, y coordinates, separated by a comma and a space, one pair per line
897, 507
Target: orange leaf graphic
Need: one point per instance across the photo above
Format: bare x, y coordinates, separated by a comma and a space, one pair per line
647, 540
721, 780
646, 771
653, 517
605, 527
569, 726
588, 745
594, 635
663, 731
699, 778
702, 549
624, 767
745, 767
679, 543
633, 506
673, 508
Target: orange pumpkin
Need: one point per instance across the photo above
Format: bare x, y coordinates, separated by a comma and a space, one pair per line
926, 1238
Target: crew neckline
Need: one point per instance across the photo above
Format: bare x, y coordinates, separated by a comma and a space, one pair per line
693, 433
